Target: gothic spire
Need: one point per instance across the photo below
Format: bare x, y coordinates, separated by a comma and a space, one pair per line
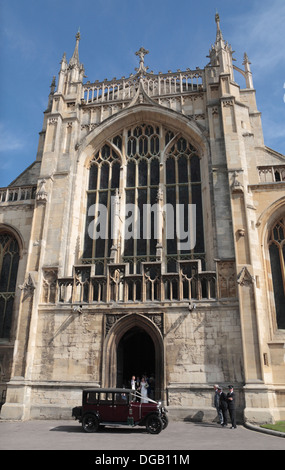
74, 61
221, 52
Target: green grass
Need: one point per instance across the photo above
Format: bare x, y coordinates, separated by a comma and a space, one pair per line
278, 426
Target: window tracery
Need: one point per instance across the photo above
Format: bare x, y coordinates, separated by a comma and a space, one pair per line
183, 186
104, 179
142, 185
157, 166
277, 260
9, 259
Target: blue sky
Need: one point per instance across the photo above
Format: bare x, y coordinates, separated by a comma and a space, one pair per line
34, 34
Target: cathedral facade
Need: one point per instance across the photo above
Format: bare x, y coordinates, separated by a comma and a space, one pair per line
148, 237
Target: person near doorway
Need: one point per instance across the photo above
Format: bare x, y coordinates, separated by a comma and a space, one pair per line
133, 382
138, 383
223, 406
232, 406
143, 390
151, 387
217, 403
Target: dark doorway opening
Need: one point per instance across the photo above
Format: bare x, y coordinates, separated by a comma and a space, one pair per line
135, 356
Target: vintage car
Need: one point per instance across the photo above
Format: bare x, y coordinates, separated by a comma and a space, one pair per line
118, 406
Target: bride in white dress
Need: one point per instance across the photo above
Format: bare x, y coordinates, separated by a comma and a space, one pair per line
143, 390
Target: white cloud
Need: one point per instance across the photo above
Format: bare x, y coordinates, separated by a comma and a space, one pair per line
261, 33
19, 40
9, 141
274, 130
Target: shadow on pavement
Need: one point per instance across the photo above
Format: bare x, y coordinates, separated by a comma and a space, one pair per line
207, 425
102, 430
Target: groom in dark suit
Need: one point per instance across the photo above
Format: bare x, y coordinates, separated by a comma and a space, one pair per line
223, 405
232, 406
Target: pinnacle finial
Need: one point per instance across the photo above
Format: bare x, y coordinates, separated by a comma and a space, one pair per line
75, 57
63, 57
217, 17
53, 84
219, 35
245, 59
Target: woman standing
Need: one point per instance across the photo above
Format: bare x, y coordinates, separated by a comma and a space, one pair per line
144, 387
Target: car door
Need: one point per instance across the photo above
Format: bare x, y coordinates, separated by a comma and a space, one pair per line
121, 407
106, 410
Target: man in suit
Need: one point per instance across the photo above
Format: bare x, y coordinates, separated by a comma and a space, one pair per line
223, 406
232, 406
217, 404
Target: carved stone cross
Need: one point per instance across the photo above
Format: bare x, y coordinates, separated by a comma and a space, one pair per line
141, 53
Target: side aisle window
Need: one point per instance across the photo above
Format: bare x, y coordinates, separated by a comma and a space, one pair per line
277, 261
9, 260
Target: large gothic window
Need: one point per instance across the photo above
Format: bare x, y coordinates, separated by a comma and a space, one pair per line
277, 261
9, 259
141, 190
160, 170
103, 181
183, 188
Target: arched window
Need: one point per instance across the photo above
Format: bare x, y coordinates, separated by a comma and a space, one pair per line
9, 259
183, 188
141, 190
104, 179
277, 261
160, 171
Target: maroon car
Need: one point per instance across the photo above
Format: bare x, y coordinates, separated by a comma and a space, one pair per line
120, 406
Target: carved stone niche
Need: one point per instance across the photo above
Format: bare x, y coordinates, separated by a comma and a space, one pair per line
116, 281
236, 186
227, 282
49, 286
42, 195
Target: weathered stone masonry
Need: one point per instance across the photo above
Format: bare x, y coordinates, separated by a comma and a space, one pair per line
75, 310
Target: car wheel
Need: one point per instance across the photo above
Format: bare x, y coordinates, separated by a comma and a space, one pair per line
90, 423
164, 421
154, 424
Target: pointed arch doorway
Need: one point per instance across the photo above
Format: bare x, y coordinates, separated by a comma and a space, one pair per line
135, 356
133, 346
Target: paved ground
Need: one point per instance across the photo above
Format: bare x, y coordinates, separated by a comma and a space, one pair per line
178, 436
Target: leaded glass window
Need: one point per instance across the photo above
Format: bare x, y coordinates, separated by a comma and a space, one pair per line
104, 179
277, 261
141, 189
156, 165
183, 188
9, 259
